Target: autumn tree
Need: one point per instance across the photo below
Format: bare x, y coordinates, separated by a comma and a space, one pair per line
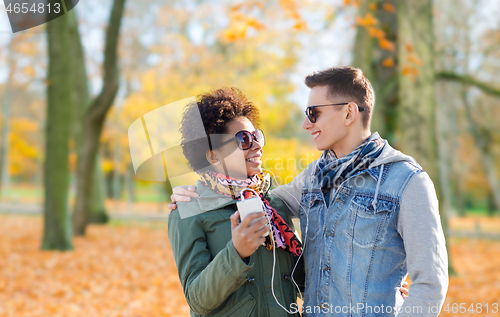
95, 118
57, 233
5, 142
374, 52
81, 102
455, 67
403, 77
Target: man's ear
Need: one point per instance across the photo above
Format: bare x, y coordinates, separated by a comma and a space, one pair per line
212, 158
352, 113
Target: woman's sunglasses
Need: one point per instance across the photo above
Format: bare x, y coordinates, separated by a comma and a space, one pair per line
311, 112
245, 139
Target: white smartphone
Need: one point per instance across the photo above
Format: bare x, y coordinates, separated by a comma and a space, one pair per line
249, 206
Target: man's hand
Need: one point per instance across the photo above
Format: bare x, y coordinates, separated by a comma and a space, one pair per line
247, 238
182, 193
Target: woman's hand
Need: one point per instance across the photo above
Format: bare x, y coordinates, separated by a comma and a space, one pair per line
247, 238
182, 193
404, 289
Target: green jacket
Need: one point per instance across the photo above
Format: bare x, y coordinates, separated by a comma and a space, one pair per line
216, 281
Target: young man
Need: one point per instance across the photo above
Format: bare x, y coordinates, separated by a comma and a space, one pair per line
369, 214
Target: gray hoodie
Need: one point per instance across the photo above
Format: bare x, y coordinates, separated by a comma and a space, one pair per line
418, 224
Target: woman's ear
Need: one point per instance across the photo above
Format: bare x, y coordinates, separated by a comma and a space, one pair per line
212, 158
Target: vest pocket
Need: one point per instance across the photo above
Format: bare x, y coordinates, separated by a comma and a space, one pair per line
368, 225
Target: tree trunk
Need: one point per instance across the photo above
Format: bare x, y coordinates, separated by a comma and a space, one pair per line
5, 146
443, 164
130, 185
167, 188
97, 210
416, 79
117, 176
369, 57
364, 45
457, 175
417, 129
491, 204
94, 120
482, 141
57, 224
97, 206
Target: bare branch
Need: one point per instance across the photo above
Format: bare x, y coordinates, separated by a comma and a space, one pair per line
468, 80
105, 99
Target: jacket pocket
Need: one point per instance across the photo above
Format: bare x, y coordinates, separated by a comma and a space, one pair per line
242, 308
369, 225
311, 213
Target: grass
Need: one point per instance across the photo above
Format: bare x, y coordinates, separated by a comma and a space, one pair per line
479, 211
27, 193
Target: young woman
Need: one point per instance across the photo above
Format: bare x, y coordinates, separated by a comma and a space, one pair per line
226, 266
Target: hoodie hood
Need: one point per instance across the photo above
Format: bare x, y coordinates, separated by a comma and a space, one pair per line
388, 155
391, 155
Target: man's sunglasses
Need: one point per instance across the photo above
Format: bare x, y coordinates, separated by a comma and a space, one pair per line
311, 112
245, 139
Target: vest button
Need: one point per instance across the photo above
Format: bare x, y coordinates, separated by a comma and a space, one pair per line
330, 234
326, 268
324, 306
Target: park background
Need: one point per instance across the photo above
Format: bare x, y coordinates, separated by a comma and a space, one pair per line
81, 235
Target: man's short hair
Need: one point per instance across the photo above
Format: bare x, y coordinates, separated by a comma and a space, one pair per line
346, 82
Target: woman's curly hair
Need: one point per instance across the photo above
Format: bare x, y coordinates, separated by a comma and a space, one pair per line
217, 108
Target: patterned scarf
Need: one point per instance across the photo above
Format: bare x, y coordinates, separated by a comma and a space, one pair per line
282, 234
332, 171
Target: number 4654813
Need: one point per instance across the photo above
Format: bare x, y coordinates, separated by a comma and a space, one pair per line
35, 8
472, 308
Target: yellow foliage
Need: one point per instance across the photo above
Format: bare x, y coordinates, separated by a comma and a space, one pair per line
300, 26
26, 47
388, 62
386, 44
107, 165
259, 65
389, 7
240, 22
29, 71
415, 60
253, 22
376, 32
25, 152
108, 275
236, 7
409, 70
368, 20
73, 161
236, 32
286, 158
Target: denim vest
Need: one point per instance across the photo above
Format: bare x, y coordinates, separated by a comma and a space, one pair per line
355, 249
